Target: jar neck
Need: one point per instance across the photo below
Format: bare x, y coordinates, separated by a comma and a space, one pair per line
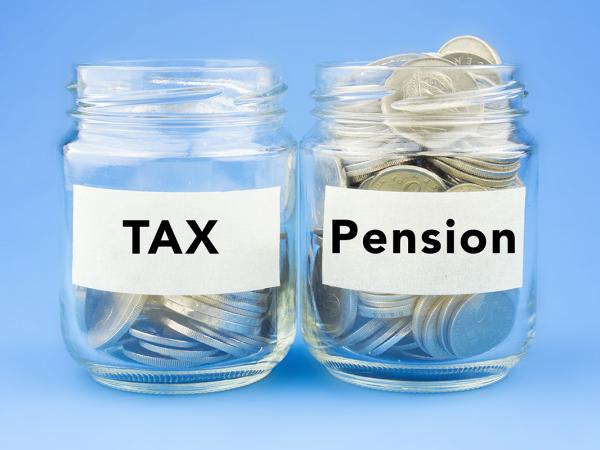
366, 108
133, 99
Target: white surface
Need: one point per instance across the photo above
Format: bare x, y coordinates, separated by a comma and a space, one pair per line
246, 236
420, 273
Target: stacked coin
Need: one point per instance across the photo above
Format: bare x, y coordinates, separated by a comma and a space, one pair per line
447, 127
177, 331
401, 326
447, 115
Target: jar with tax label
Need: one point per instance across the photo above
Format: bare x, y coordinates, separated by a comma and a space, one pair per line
418, 222
179, 258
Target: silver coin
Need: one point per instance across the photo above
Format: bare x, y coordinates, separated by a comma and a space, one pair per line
405, 179
444, 316
419, 313
219, 302
430, 337
359, 172
206, 320
374, 299
260, 307
363, 332
386, 312
469, 178
395, 333
156, 333
146, 357
478, 171
397, 60
189, 355
254, 341
197, 309
429, 78
480, 323
507, 165
473, 45
203, 335
466, 59
336, 308
112, 317
466, 187
426, 78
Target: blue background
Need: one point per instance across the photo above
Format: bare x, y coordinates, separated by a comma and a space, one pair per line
551, 400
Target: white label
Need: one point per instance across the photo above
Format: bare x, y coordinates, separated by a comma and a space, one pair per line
373, 261
238, 252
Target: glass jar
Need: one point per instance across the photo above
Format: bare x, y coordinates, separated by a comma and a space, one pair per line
418, 224
179, 258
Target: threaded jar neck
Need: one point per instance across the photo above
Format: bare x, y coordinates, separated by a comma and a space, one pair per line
124, 96
430, 106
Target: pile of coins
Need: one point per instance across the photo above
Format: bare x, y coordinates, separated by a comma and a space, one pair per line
442, 124
177, 331
401, 326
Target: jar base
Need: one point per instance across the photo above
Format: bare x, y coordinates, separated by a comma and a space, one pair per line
428, 378
177, 383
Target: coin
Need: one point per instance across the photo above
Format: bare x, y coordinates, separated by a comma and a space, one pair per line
466, 187
201, 355
337, 308
445, 123
430, 337
362, 333
402, 333
405, 178
473, 45
203, 335
466, 59
203, 311
444, 318
385, 312
146, 357
470, 178
153, 332
498, 172
397, 60
112, 317
480, 323
400, 328
425, 78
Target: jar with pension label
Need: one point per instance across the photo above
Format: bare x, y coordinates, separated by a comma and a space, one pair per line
179, 257
418, 223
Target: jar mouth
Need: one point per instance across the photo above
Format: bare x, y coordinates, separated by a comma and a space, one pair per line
187, 64
188, 90
432, 105
363, 64
356, 90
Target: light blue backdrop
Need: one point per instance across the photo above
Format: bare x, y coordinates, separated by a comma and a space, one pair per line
550, 400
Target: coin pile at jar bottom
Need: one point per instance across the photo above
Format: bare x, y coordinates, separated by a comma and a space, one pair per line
409, 327
176, 331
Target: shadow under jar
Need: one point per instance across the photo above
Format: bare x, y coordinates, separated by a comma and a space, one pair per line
179, 264
418, 226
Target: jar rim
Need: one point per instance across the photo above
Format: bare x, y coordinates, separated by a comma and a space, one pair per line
365, 65
187, 64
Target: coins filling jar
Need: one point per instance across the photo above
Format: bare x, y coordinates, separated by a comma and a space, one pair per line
418, 223
179, 264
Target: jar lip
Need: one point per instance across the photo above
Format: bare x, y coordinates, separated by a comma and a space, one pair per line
365, 65
186, 64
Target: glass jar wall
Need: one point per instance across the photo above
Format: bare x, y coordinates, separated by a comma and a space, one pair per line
166, 292
418, 223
